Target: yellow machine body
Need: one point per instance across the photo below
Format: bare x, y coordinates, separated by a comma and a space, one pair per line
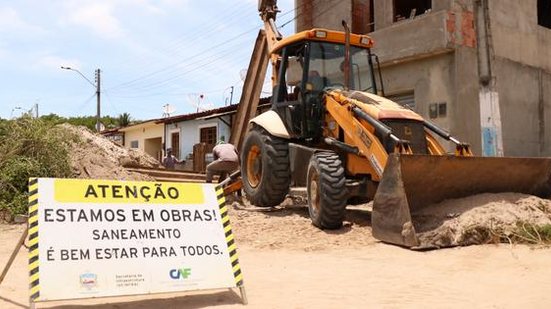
392, 154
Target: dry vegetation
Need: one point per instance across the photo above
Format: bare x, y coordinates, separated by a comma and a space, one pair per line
36, 148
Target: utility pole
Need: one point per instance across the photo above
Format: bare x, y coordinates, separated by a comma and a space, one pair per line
96, 85
231, 94
98, 96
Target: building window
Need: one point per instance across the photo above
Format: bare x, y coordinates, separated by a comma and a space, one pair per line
404, 9
134, 144
544, 13
207, 135
438, 110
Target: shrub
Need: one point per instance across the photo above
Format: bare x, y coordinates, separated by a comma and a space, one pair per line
29, 148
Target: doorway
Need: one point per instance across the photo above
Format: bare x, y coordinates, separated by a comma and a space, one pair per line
175, 142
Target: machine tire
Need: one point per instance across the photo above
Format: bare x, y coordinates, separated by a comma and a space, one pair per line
265, 168
326, 187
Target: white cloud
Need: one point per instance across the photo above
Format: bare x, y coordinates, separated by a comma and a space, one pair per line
3, 53
147, 6
99, 18
54, 62
12, 23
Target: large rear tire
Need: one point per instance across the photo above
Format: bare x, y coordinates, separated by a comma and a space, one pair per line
326, 189
265, 168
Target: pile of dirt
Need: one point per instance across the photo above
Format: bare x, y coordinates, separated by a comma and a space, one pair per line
478, 219
483, 218
94, 156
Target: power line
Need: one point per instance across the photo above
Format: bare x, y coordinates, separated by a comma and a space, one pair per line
180, 62
193, 66
190, 67
165, 94
81, 106
178, 42
170, 68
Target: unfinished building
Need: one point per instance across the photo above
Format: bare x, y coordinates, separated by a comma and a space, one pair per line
479, 68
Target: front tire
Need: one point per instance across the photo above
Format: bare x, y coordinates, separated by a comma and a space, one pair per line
326, 189
265, 168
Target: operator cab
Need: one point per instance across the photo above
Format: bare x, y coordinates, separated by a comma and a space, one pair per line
311, 63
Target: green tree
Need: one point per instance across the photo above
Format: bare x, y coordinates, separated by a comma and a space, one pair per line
124, 120
87, 121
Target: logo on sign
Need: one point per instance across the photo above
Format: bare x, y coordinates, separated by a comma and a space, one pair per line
182, 273
88, 280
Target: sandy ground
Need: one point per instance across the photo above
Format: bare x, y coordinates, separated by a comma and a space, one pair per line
287, 263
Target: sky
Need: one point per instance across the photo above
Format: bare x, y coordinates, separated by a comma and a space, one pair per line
186, 53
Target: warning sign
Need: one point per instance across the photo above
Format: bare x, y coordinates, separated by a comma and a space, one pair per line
96, 238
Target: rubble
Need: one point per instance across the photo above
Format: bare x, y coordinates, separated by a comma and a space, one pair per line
94, 156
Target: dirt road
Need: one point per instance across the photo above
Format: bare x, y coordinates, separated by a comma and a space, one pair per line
287, 263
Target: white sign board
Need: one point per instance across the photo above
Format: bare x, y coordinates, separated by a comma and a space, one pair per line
98, 238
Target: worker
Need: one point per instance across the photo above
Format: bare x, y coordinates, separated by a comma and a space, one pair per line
316, 81
170, 160
226, 160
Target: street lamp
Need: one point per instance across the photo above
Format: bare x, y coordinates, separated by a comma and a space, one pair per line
14, 109
97, 85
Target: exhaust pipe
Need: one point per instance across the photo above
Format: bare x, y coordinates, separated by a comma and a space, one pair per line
346, 55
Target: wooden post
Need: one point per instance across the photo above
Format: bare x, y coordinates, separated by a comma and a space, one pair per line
14, 254
243, 295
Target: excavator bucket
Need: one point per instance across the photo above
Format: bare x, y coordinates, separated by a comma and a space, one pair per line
411, 183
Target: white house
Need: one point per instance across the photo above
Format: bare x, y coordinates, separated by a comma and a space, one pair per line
184, 131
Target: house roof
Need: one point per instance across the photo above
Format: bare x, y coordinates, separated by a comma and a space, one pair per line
109, 132
192, 116
211, 113
142, 124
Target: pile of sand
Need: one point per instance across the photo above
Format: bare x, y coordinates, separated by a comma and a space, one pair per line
94, 156
482, 219
289, 226
478, 219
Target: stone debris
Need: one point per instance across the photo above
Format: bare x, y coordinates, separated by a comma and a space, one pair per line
94, 156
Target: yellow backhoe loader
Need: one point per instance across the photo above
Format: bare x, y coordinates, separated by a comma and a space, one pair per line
328, 130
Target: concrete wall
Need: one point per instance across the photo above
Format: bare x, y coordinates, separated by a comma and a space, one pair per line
411, 39
522, 68
142, 132
384, 11
546, 99
322, 14
525, 103
466, 110
517, 35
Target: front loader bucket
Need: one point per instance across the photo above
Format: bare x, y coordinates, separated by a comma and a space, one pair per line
413, 182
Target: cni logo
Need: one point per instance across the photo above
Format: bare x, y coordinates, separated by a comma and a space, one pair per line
181, 273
